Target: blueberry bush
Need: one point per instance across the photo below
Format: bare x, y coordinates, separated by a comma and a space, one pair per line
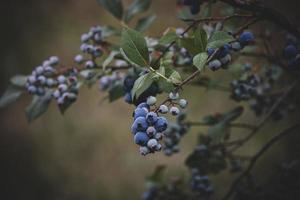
150, 73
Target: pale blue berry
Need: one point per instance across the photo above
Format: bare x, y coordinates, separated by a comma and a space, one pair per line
144, 151
61, 79
53, 60
41, 80
56, 94
163, 109
39, 70
214, 65
174, 110
174, 95
151, 131
31, 79
62, 87
89, 64
78, 59
152, 143
151, 100
85, 37
183, 103
32, 89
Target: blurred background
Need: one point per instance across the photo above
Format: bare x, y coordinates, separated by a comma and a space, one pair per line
88, 153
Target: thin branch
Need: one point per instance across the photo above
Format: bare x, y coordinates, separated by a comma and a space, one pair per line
225, 18
254, 159
240, 142
266, 13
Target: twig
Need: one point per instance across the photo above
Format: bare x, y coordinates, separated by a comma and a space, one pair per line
256, 157
266, 13
208, 19
240, 142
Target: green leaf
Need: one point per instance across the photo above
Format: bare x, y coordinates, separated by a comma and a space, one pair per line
145, 23
11, 95
200, 39
175, 78
115, 7
107, 31
218, 39
142, 84
109, 59
116, 92
200, 60
38, 106
168, 38
166, 86
189, 44
137, 6
19, 80
218, 132
135, 48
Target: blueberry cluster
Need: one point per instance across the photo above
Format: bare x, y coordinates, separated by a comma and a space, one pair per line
173, 135
148, 127
194, 5
128, 84
257, 90
42, 77
108, 81
222, 57
91, 44
201, 183
292, 54
67, 89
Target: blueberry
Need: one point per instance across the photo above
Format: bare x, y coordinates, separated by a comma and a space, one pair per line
161, 124
183, 103
173, 95
174, 111
163, 109
140, 112
97, 52
225, 60
31, 79
84, 47
141, 138
152, 143
236, 46
140, 124
158, 136
151, 117
62, 87
53, 60
128, 97
290, 51
104, 82
143, 105
40, 91
61, 79
246, 37
214, 65
41, 80
50, 82
32, 89
151, 131
128, 83
39, 70
89, 64
78, 59
85, 37
56, 94
151, 100
158, 147
144, 151
210, 51
97, 37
